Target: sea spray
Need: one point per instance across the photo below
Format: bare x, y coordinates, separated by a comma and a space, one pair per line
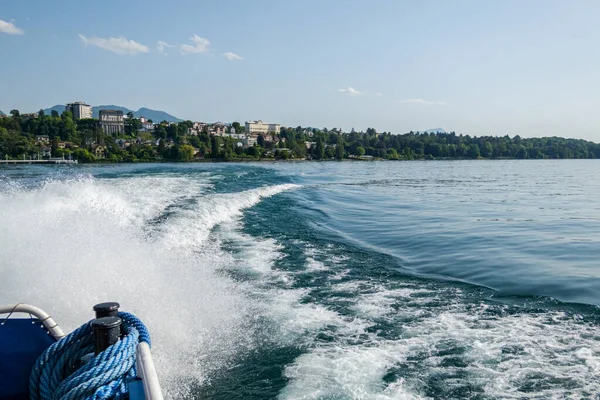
68, 244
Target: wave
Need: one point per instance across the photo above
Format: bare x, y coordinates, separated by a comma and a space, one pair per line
68, 244
420, 340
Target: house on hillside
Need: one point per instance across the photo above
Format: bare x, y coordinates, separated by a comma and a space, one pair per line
249, 141
67, 145
99, 151
42, 139
46, 151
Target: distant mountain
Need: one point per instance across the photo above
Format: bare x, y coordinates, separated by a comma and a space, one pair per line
154, 115
436, 130
96, 110
59, 108
2, 114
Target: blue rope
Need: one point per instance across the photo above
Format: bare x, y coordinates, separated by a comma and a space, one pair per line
103, 377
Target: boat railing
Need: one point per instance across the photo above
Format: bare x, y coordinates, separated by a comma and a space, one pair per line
46, 320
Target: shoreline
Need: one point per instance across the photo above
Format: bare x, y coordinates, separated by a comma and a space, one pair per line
241, 161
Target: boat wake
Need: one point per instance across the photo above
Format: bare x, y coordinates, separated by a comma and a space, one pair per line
246, 295
67, 244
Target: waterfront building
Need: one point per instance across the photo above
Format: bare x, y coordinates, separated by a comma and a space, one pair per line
46, 151
112, 122
249, 141
79, 110
259, 127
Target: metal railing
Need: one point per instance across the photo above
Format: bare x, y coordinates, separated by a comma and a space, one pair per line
46, 320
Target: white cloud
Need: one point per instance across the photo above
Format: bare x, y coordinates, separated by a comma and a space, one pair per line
118, 45
423, 102
378, 94
350, 91
232, 56
161, 46
200, 46
10, 28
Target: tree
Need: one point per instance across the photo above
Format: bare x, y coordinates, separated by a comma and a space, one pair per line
521, 153
68, 128
254, 151
488, 150
132, 125
392, 154
299, 150
172, 131
339, 149
15, 113
83, 155
360, 151
236, 126
54, 113
474, 151
160, 132
320, 149
186, 152
216, 147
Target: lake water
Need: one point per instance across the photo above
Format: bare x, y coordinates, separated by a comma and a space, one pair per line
333, 280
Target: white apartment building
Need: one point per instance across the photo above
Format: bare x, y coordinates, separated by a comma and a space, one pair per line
261, 128
79, 110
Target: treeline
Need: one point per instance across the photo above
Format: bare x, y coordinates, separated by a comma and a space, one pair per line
410, 146
17, 134
173, 142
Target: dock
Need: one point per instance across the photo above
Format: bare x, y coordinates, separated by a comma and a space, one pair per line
50, 161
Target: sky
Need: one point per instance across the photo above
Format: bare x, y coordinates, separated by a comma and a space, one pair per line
516, 67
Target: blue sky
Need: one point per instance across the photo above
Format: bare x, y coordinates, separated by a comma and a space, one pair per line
527, 67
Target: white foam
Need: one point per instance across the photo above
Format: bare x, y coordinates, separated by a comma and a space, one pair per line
313, 265
70, 244
353, 372
502, 353
192, 227
380, 303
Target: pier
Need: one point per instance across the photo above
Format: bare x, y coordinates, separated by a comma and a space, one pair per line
50, 161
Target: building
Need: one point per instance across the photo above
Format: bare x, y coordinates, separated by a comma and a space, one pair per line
98, 151
147, 127
46, 151
217, 129
259, 127
112, 122
79, 110
238, 136
249, 141
42, 139
122, 143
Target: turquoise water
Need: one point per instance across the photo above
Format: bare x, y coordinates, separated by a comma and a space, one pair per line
380, 280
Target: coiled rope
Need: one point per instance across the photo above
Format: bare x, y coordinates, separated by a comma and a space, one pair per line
103, 377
